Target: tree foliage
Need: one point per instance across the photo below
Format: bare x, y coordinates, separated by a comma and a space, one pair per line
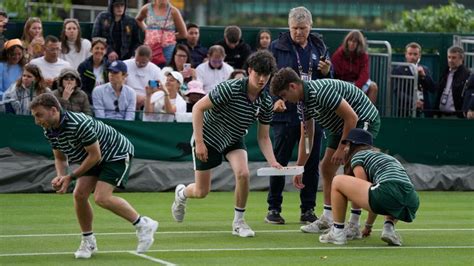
452, 17
47, 10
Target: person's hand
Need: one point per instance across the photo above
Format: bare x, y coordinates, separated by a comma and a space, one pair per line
113, 56
276, 165
149, 90
67, 92
421, 72
366, 231
470, 114
61, 183
324, 66
298, 181
419, 104
338, 156
201, 151
279, 106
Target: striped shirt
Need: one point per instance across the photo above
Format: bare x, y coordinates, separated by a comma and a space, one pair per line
78, 130
322, 97
380, 167
233, 113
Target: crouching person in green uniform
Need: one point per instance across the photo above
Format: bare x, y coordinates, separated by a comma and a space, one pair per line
381, 186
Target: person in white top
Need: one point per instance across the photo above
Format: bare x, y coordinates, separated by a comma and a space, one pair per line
50, 64
163, 101
215, 70
140, 71
74, 49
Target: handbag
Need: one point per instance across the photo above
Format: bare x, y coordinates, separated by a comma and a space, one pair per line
154, 39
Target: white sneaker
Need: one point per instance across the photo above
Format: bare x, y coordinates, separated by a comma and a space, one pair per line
178, 209
352, 231
319, 226
392, 238
87, 248
334, 238
146, 229
242, 229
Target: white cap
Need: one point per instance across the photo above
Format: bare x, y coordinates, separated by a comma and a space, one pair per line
176, 75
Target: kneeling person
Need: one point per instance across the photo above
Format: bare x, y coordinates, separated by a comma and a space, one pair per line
104, 156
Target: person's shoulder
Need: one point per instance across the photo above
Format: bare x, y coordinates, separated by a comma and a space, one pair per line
129, 62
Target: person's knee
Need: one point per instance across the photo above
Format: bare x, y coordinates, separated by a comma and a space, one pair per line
373, 87
327, 169
242, 176
337, 181
101, 200
200, 193
80, 195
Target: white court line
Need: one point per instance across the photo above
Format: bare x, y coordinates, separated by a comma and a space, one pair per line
225, 232
152, 259
242, 249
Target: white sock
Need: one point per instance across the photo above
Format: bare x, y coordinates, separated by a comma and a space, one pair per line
388, 226
355, 216
182, 195
338, 228
327, 212
238, 214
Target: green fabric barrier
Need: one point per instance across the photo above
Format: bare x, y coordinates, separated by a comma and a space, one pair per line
426, 141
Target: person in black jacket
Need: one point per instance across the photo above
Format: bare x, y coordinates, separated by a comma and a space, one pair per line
120, 30
450, 99
236, 49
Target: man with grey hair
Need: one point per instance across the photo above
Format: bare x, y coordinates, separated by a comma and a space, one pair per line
450, 99
215, 70
140, 71
307, 55
236, 49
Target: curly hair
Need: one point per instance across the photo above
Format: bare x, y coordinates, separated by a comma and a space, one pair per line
262, 62
282, 79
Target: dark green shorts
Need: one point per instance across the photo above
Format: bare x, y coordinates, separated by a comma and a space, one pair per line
397, 199
115, 172
214, 157
373, 127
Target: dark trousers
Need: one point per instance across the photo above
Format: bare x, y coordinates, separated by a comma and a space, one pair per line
284, 141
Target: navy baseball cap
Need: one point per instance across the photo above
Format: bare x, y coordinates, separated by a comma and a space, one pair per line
118, 66
359, 136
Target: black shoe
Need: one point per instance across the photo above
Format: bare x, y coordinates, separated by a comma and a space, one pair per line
308, 217
274, 217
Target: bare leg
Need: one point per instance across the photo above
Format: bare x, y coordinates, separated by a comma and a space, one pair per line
372, 92
345, 188
104, 198
201, 187
84, 187
238, 162
328, 171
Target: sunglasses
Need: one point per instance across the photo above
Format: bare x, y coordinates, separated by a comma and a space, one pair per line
69, 77
99, 39
116, 106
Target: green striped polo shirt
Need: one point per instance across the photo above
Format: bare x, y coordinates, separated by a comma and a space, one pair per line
380, 167
78, 130
233, 113
322, 97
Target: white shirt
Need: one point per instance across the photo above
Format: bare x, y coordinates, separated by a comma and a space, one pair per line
211, 77
76, 58
158, 102
138, 77
50, 70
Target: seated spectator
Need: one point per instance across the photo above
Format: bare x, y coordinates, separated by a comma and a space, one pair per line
238, 74
140, 71
264, 39
468, 94
33, 39
426, 85
12, 61
93, 70
235, 48
115, 100
181, 62
3, 28
21, 93
194, 94
164, 24
164, 102
68, 92
198, 52
74, 49
351, 63
119, 29
450, 99
50, 64
215, 70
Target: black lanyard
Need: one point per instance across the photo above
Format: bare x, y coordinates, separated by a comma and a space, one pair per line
310, 61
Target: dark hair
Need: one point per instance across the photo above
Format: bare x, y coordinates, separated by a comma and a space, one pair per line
39, 85
181, 47
260, 34
63, 38
262, 62
456, 50
355, 36
353, 149
7, 52
282, 79
50, 39
143, 50
232, 34
191, 25
3, 13
47, 100
413, 45
236, 72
